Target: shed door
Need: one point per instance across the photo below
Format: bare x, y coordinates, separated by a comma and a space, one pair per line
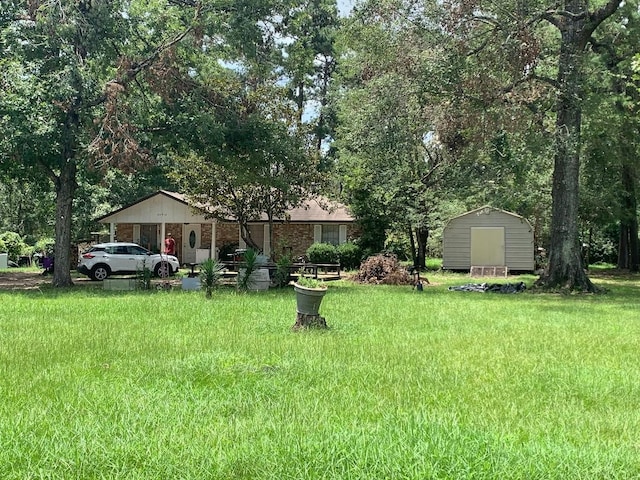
487, 246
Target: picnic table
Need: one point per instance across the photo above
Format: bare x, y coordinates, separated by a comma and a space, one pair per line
331, 270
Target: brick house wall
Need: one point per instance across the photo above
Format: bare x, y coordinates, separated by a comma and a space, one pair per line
292, 238
124, 232
227, 236
205, 235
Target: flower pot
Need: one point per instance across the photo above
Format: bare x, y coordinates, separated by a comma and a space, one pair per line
191, 283
258, 280
308, 299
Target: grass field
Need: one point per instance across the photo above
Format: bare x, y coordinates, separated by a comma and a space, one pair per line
404, 385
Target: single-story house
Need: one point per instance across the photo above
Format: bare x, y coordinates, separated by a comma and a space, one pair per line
149, 220
488, 237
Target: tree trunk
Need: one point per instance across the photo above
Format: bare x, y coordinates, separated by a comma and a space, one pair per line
65, 185
565, 268
422, 236
414, 250
628, 248
245, 234
304, 321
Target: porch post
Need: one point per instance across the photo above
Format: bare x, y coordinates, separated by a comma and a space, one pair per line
112, 232
214, 252
163, 235
266, 244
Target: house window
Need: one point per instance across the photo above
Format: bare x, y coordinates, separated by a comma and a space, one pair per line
149, 236
331, 234
257, 235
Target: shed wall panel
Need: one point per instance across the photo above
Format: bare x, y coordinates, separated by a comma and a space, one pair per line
519, 248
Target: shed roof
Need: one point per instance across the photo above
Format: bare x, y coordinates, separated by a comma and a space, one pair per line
486, 209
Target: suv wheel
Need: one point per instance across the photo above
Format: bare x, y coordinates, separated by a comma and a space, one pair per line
100, 272
163, 269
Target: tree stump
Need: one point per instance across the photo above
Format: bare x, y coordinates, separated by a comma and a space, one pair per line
304, 320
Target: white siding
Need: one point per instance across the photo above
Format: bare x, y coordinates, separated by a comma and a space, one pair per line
157, 209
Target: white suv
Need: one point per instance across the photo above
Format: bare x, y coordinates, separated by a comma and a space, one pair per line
105, 259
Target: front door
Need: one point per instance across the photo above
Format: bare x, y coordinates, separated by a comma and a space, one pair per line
191, 238
487, 247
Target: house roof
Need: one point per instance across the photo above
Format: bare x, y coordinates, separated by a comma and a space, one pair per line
320, 210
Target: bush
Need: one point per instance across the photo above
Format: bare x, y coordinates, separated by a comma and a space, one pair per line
44, 245
283, 271
322, 253
210, 271
13, 245
384, 270
226, 251
350, 255
249, 265
398, 244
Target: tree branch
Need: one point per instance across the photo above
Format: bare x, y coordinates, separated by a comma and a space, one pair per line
596, 18
567, 14
131, 73
549, 17
604, 12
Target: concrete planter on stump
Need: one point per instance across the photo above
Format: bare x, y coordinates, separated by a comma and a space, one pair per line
308, 300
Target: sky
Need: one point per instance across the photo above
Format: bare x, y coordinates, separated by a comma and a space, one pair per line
345, 6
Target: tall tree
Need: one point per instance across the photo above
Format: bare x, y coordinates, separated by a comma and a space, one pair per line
64, 67
390, 152
308, 62
612, 116
238, 126
514, 34
576, 24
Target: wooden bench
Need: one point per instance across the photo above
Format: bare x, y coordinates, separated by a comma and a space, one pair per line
331, 270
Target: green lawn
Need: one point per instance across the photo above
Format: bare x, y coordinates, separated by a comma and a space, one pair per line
404, 384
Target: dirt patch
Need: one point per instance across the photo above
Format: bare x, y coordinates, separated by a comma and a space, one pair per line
10, 280
20, 280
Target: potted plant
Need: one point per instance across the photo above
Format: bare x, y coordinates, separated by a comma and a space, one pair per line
252, 275
309, 294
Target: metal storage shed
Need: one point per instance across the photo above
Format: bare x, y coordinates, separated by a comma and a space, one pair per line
488, 236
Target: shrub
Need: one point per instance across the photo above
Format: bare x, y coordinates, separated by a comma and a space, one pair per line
384, 270
143, 276
44, 245
350, 255
13, 245
322, 253
398, 244
249, 265
210, 271
227, 250
283, 271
